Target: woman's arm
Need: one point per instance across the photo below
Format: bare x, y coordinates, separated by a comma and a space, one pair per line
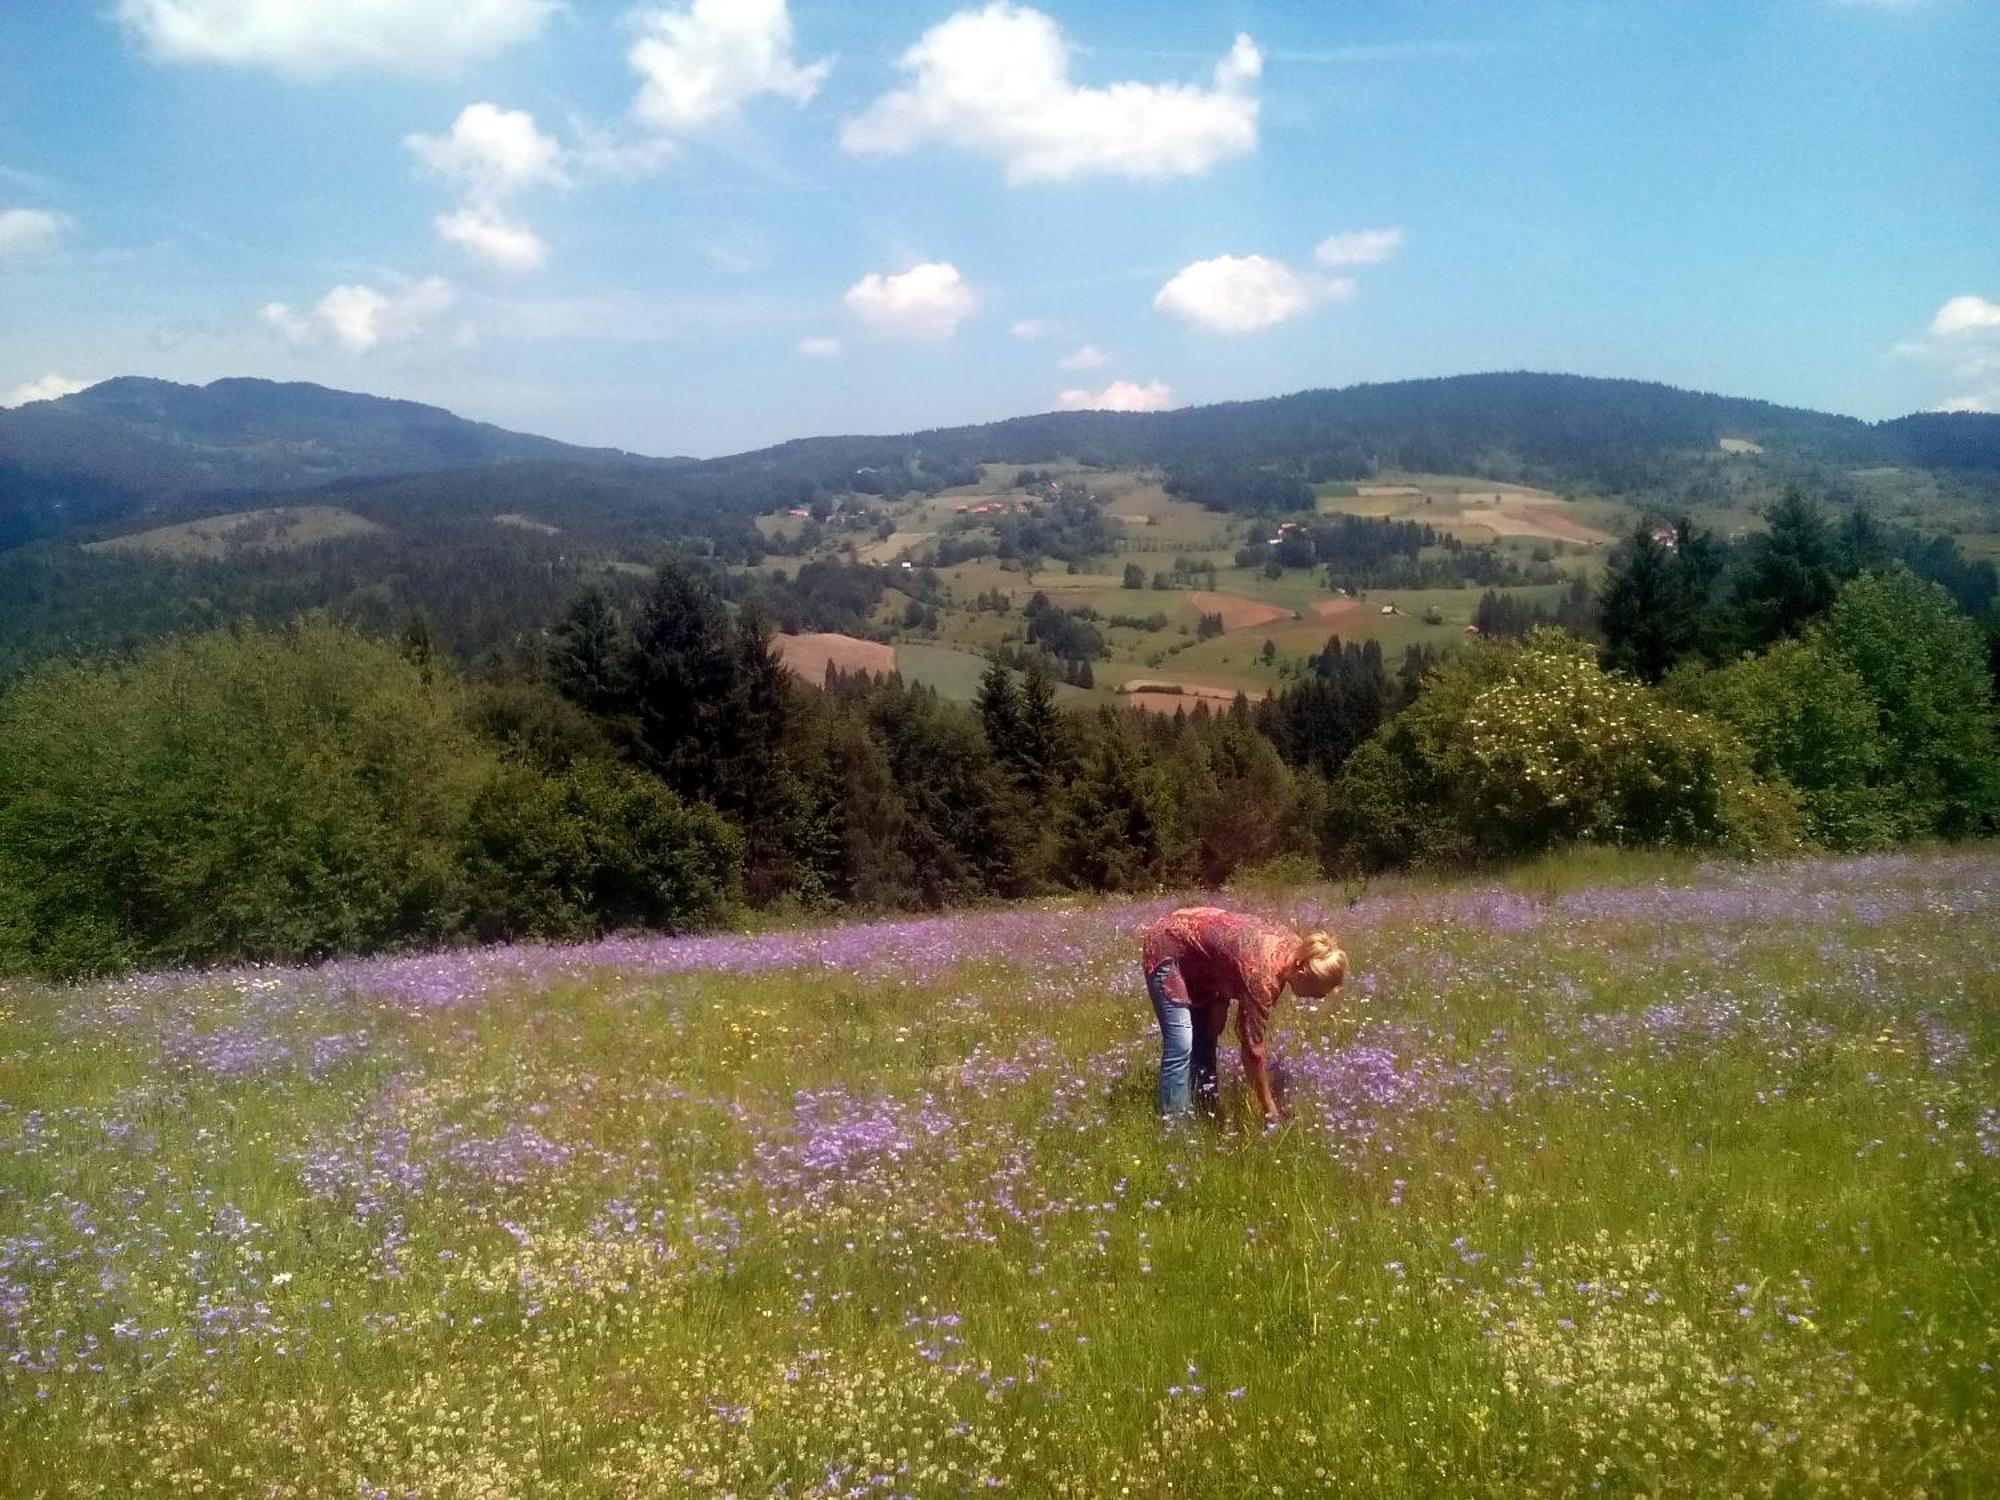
1250, 1018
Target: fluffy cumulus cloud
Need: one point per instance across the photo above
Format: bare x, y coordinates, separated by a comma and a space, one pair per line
1967, 316
824, 346
1089, 357
491, 154
1235, 294
1359, 247
359, 318
315, 37
997, 81
701, 61
1962, 344
30, 233
1120, 395
48, 388
928, 301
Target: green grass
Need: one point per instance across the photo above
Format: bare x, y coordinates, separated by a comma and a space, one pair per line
953, 673
1624, 1173
279, 529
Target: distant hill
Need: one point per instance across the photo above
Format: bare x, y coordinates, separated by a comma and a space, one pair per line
1563, 430
140, 507
130, 446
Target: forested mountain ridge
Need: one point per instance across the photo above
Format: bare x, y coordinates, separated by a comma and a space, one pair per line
378, 509
1561, 429
129, 446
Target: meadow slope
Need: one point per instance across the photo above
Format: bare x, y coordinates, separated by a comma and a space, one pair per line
1670, 1179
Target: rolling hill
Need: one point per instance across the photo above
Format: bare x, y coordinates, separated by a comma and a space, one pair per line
140, 506
130, 446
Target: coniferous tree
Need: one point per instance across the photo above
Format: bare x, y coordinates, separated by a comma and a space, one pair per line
585, 657
1648, 613
1860, 544
1042, 753
999, 704
1109, 826
681, 663
1788, 576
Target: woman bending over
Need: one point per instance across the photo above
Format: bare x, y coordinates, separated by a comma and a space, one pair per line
1199, 959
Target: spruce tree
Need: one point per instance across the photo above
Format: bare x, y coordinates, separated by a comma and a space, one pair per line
1042, 754
1788, 578
999, 703
585, 657
1646, 611
682, 666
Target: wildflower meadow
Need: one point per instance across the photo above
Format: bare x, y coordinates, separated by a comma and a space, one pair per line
1623, 1177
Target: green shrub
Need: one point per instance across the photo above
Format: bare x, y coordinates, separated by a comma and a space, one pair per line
293, 794
1513, 750
250, 794
1808, 719
600, 847
1924, 663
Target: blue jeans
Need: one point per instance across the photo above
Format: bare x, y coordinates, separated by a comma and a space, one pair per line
1185, 1044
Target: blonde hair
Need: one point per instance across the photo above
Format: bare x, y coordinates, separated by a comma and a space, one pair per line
1321, 958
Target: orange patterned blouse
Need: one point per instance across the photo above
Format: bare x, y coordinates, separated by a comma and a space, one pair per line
1218, 956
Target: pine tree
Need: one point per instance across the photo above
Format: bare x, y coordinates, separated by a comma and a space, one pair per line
999, 704
1042, 756
1650, 610
1788, 577
682, 665
585, 659
1109, 826
1860, 545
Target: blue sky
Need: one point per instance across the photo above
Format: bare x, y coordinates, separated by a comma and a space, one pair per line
700, 226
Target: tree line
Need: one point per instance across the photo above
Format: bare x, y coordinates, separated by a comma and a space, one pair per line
293, 792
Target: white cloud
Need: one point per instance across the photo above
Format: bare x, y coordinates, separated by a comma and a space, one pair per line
1033, 328
1120, 395
48, 388
702, 60
1243, 294
1089, 357
358, 318
1359, 247
926, 301
820, 347
997, 81
317, 37
488, 235
1966, 315
491, 152
26, 233
1962, 344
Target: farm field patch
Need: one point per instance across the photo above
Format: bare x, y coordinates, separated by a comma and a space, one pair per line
277, 529
1239, 613
807, 655
1481, 509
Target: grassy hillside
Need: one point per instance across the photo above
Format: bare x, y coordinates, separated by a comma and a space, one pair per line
1591, 1179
